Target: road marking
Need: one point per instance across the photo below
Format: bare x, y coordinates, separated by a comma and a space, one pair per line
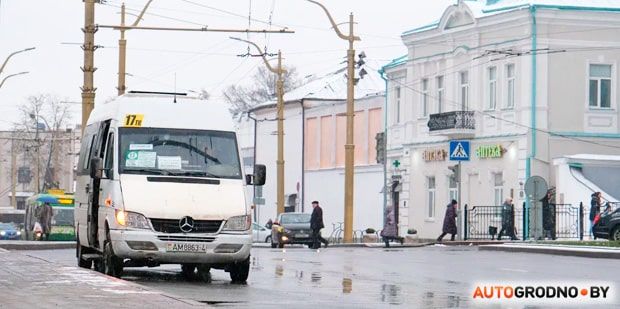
3, 250
514, 270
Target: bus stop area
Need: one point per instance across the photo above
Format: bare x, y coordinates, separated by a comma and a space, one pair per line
29, 282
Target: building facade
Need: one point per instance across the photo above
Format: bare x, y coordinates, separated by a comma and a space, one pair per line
56, 152
315, 126
525, 82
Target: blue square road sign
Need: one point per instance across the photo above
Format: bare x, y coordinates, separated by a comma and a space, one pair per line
459, 151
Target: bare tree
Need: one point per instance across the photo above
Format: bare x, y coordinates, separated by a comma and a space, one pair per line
40, 129
263, 89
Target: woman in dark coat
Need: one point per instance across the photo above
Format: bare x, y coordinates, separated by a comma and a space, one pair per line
449, 221
390, 230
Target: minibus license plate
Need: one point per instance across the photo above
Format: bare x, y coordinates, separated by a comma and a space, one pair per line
186, 247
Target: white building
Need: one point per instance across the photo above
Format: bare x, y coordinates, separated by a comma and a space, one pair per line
526, 81
314, 139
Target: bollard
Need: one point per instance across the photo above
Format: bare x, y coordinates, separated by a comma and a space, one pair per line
465, 223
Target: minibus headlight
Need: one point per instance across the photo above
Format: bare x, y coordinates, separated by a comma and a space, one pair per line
238, 223
132, 219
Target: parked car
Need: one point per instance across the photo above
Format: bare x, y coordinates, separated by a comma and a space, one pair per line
9, 231
608, 225
260, 233
291, 228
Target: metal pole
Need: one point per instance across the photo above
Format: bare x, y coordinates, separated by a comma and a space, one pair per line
13, 174
280, 162
459, 222
122, 53
349, 146
88, 88
38, 160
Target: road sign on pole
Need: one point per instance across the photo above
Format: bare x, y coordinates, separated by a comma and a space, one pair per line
459, 151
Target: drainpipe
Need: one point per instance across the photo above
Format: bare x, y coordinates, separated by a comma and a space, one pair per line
382, 74
303, 155
534, 80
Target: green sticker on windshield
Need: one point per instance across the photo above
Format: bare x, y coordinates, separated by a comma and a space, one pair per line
135, 158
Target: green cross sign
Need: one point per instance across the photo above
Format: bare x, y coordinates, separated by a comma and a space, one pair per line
396, 163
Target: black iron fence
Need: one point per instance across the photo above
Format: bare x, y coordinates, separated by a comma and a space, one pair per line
558, 221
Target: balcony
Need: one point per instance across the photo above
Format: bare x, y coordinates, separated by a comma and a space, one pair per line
454, 125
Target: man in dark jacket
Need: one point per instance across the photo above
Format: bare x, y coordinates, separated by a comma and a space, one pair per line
449, 221
508, 225
595, 208
316, 224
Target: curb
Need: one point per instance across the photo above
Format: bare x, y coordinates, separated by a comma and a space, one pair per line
37, 245
598, 254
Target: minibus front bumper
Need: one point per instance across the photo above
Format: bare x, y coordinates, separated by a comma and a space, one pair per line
181, 248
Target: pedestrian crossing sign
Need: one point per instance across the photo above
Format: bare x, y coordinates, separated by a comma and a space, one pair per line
459, 151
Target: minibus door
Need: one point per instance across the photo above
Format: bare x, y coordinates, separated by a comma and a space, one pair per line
95, 185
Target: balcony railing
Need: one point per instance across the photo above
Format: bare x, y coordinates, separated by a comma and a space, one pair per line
453, 124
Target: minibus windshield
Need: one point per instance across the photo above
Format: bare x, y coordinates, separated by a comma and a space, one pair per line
179, 152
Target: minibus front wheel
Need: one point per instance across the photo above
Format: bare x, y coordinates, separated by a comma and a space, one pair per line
240, 271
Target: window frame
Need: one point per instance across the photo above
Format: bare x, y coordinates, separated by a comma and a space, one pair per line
612, 82
491, 98
424, 97
398, 107
498, 198
464, 87
510, 81
441, 92
431, 197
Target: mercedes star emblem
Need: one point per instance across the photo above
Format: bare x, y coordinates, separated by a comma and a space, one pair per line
186, 224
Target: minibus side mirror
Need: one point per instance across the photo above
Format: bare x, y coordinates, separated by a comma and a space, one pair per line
95, 168
260, 174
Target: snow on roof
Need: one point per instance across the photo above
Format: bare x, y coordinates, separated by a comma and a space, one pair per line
333, 86
593, 157
484, 8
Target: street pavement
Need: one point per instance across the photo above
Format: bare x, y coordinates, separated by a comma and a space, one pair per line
427, 277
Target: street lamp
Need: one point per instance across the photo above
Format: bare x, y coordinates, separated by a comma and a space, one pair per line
9, 76
280, 107
349, 146
13, 54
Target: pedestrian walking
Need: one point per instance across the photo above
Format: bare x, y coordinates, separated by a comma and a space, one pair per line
548, 207
595, 209
449, 221
45, 219
507, 220
390, 230
316, 224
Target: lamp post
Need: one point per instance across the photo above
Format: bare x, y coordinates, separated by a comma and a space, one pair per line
13, 54
280, 107
349, 146
9, 76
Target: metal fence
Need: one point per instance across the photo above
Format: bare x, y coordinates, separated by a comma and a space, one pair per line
559, 221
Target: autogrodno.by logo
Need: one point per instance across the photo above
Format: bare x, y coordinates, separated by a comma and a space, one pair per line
557, 293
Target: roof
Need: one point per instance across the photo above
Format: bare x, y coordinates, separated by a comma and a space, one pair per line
161, 111
484, 8
333, 86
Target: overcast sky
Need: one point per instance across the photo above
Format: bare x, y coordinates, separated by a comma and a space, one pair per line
199, 60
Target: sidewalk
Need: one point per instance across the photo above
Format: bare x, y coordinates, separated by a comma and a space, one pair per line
28, 282
36, 245
578, 251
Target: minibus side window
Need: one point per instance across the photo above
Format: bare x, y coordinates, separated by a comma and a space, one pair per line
109, 157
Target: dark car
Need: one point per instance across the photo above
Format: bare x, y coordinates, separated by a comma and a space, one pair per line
8, 231
608, 225
291, 228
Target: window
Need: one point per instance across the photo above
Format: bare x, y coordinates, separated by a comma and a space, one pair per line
311, 156
510, 86
440, 94
430, 181
374, 127
109, 157
498, 188
424, 97
464, 87
600, 86
492, 99
327, 141
397, 109
453, 189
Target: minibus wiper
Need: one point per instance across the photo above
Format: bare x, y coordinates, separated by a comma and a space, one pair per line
147, 170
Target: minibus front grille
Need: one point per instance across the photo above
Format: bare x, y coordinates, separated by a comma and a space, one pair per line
182, 238
172, 226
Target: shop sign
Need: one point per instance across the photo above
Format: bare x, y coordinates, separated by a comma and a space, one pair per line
490, 151
434, 155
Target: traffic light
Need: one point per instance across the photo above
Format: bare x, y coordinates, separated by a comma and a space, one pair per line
456, 171
380, 147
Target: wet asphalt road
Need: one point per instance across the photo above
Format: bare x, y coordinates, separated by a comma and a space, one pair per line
428, 277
